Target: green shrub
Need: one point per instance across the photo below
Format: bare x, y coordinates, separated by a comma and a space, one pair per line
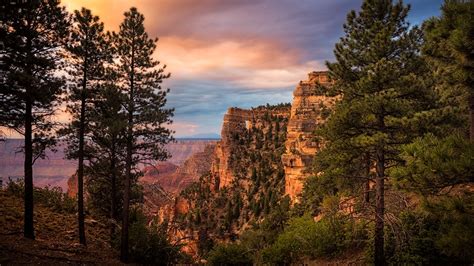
16, 188
54, 198
305, 238
150, 244
229, 254
51, 197
421, 237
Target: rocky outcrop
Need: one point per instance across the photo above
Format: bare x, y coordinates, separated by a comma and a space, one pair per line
198, 164
237, 122
309, 109
174, 178
158, 173
182, 149
157, 203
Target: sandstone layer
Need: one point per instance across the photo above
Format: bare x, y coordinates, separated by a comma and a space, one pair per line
236, 123
309, 109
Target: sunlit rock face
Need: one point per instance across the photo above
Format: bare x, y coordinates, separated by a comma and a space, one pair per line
309, 109
236, 122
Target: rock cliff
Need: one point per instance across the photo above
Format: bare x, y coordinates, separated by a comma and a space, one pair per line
173, 178
262, 156
237, 123
246, 181
309, 109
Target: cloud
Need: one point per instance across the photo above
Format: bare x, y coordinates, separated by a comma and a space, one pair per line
237, 52
183, 127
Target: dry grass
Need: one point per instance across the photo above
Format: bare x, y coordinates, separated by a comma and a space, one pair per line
56, 237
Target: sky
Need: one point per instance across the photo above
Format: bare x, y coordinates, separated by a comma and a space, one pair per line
237, 53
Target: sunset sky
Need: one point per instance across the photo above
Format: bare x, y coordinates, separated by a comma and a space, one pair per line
243, 53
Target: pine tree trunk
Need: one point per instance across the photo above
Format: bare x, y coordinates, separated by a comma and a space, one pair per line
113, 202
29, 231
367, 182
128, 168
126, 194
80, 170
471, 117
379, 208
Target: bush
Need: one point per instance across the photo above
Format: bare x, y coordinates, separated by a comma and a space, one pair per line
150, 244
16, 188
305, 238
229, 254
54, 198
51, 197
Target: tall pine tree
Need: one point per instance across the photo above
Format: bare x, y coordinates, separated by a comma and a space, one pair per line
32, 33
106, 152
140, 77
88, 52
379, 73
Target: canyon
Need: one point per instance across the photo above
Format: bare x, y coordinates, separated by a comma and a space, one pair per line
218, 188
55, 170
257, 168
191, 159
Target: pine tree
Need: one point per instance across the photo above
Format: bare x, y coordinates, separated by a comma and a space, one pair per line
32, 33
449, 46
141, 78
88, 53
379, 73
106, 151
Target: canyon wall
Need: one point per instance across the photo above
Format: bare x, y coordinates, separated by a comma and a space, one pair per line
263, 155
246, 181
309, 109
173, 178
238, 122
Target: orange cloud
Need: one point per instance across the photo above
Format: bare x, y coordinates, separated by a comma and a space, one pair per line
251, 62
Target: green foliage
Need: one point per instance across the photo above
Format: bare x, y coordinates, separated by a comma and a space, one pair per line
150, 244
305, 238
55, 199
229, 254
427, 236
105, 152
88, 52
32, 34
433, 164
51, 197
387, 99
140, 77
455, 236
440, 170
448, 46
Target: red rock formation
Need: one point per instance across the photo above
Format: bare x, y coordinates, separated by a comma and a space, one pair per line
309, 109
174, 178
72, 186
158, 173
236, 121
